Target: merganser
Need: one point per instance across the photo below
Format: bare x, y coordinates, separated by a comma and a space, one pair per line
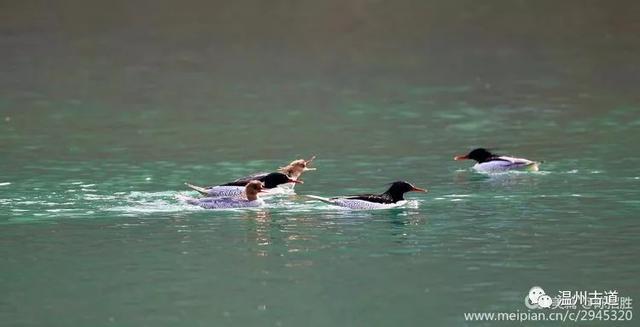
292, 170
236, 188
297, 167
393, 197
489, 162
249, 200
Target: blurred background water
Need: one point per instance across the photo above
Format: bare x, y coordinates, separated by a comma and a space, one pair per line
108, 107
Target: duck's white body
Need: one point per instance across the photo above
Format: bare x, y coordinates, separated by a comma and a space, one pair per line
224, 191
284, 188
238, 191
224, 202
355, 204
504, 163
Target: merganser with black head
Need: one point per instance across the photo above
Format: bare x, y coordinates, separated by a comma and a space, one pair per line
391, 198
489, 162
236, 188
249, 200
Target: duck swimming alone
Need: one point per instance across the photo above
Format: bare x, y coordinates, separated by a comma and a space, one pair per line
489, 162
249, 200
393, 197
237, 187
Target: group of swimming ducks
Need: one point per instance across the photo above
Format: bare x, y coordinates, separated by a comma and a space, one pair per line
245, 192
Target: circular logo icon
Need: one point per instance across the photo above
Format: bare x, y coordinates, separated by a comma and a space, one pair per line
545, 301
532, 300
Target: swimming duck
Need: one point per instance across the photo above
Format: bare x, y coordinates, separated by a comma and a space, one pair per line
293, 170
297, 167
250, 199
236, 188
489, 162
391, 198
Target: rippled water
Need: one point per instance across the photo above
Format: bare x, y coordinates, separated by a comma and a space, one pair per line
96, 144
102, 239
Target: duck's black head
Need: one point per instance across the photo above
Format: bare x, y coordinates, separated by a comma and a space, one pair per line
480, 155
397, 190
274, 179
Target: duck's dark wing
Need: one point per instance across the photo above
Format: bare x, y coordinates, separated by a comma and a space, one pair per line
256, 176
243, 181
376, 198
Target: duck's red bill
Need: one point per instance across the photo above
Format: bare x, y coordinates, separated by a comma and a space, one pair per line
417, 189
460, 158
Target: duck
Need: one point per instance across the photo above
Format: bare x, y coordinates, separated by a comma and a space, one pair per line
249, 200
391, 198
237, 187
297, 167
488, 162
293, 170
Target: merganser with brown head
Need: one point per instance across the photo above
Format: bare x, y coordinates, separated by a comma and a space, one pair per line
297, 167
249, 200
237, 187
293, 171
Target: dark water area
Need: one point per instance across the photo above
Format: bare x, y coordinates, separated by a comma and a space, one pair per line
194, 54
106, 108
199, 60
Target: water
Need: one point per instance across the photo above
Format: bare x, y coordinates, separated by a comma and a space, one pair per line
105, 116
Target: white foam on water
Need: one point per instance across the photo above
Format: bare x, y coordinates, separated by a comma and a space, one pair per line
145, 202
137, 203
457, 196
